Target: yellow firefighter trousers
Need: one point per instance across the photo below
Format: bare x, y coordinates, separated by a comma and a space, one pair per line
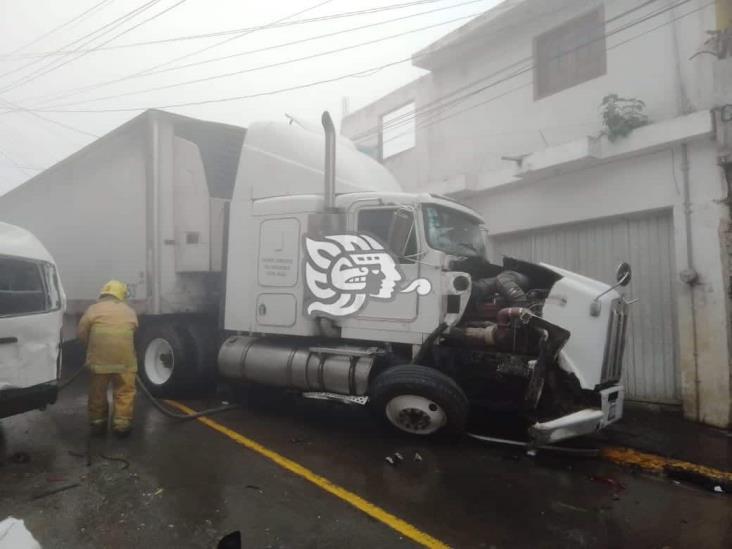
123, 395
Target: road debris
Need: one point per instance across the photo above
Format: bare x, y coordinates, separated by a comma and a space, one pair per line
417, 456
19, 458
123, 461
54, 491
608, 481
394, 459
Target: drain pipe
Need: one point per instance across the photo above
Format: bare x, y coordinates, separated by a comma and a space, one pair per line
689, 275
330, 161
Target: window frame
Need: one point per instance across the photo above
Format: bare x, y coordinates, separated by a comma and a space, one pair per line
540, 91
381, 130
43, 268
405, 260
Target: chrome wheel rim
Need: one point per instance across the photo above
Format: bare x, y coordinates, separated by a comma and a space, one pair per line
159, 361
415, 414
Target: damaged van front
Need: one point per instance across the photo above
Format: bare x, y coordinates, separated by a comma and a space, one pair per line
31, 315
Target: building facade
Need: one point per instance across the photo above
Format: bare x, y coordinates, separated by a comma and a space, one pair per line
590, 132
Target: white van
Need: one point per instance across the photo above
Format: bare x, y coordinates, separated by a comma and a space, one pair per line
32, 306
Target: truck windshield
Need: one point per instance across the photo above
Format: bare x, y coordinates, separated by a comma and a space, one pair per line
453, 232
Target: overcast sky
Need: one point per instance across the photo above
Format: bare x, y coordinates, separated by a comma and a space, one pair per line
29, 143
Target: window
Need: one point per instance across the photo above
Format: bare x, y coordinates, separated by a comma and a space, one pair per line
377, 222
570, 54
397, 131
453, 232
23, 289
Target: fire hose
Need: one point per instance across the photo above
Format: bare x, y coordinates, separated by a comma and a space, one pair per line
62, 384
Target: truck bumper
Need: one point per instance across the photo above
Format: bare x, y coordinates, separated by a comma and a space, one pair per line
18, 400
582, 422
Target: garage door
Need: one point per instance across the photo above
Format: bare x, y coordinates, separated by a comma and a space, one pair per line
594, 249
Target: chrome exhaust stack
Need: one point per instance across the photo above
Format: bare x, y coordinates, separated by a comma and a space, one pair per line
330, 161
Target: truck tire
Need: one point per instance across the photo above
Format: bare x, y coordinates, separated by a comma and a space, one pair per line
167, 360
205, 340
419, 400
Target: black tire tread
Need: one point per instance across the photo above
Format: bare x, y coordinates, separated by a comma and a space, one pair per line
422, 380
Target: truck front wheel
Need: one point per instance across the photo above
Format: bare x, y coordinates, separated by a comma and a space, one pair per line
419, 400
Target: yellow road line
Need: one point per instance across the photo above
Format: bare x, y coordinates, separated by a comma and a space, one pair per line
659, 464
401, 526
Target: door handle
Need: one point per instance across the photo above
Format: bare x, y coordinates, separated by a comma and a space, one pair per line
7, 340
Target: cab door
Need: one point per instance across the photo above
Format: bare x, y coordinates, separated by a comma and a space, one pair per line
31, 316
376, 221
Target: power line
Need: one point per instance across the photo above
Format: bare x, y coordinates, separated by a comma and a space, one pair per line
114, 22
75, 91
37, 75
319, 82
71, 21
235, 37
271, 65
47, 119
318, 19
16, 165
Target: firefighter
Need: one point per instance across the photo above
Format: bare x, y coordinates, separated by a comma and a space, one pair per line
108, 329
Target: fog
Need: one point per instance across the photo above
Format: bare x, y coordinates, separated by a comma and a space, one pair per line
36, 88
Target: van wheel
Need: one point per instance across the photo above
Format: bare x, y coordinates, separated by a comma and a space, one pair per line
166, 360
419, 400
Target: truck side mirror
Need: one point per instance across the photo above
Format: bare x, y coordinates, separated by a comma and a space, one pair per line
623, 274
400, 230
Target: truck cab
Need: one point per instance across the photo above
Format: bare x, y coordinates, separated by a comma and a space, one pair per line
340, 285
32, 305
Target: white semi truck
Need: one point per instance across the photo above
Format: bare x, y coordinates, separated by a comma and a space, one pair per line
252, 259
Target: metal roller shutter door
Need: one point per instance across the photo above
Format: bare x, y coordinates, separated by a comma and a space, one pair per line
594, 249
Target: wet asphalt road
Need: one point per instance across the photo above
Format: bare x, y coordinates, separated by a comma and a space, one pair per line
187, 485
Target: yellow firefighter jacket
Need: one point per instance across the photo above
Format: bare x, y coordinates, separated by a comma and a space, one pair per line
108, 330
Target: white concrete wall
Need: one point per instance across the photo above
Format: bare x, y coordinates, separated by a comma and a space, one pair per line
504, 119
650, 61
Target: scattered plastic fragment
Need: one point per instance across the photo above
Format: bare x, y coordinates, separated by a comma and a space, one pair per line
417, 456
398, 457
390, 460
607, 480
55, 491
719, 489
158, 492
20, 457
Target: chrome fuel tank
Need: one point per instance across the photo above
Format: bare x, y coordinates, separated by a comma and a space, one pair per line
285, 363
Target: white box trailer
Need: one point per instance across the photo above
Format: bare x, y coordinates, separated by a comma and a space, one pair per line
143, 204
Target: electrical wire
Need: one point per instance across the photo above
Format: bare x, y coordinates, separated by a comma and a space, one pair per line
71, 21
232, 38
57, 66
113, 23
349, 75
318, 19
75, 91
271, 65
18, 108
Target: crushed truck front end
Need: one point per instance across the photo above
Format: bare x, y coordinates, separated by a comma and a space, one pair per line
531, 338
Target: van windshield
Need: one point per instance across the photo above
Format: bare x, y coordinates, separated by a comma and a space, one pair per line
453, 232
